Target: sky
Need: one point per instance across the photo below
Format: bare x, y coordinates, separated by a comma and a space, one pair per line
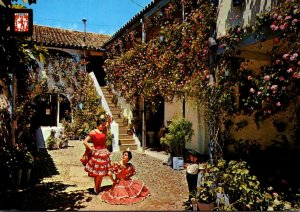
103, 16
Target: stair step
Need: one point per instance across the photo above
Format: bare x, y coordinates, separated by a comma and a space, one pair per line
112, 105
122, 131
130, 146
125, 136
118, 120
126, 141
115, 109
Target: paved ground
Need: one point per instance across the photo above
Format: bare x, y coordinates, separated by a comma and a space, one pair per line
71, 189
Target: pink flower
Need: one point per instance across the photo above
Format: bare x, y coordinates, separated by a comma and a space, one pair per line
274, 27
278, 104
267, 78
294, 21
259, 93
250, 78
295, 55
279, 17
274, 87
275, 15
286, 56
296, 75
288, 17
292, 58
252, 90
282, 26
281, 78
283, 88
289, 70
277, 61
239, 30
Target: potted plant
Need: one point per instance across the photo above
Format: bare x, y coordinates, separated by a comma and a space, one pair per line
210, 175
52, 141
180, 132
25, 162
222, 181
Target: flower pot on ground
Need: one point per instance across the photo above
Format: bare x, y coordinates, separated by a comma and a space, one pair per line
25, 162
205, 206
52, 142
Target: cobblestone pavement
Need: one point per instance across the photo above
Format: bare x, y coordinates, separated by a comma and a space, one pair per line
168, 187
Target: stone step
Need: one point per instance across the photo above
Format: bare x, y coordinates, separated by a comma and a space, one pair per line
115, 110
125, 136
126, 141
126, 146
122, 131
119, 120
112, 105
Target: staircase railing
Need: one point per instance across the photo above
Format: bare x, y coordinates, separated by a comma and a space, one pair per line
100, 93
126, 112
114, 127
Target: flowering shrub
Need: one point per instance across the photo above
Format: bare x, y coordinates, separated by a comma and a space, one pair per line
173, 64
244, 190
272, 89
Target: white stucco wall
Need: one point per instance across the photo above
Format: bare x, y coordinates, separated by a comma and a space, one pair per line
240, 15
196, 116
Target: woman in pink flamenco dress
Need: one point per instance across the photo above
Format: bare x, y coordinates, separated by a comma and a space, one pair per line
99, 162
125, 190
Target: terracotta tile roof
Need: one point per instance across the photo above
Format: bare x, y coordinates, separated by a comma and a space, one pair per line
63, 38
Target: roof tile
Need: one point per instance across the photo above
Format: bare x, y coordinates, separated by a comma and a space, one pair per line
58, 37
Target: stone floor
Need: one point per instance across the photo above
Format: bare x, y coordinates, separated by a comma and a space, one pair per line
71, 189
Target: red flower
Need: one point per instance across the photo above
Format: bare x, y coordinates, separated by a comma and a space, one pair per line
276, 40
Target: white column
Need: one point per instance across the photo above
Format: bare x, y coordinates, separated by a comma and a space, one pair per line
115, 132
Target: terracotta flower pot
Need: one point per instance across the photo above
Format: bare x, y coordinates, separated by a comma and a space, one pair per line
205, 206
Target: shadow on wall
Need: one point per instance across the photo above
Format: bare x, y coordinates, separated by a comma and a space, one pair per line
275, 166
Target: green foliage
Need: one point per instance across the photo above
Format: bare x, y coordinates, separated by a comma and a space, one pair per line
176, 66
52, 141
109, 141
180, 133
243, 189
85, 102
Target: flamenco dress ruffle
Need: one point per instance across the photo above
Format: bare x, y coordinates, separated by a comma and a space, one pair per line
99, 162
126, 192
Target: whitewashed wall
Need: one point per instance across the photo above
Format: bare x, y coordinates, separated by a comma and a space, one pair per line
240, 15
194, 114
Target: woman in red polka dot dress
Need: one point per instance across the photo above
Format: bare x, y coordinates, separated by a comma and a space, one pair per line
99, 162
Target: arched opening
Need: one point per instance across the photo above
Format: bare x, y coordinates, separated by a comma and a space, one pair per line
51, 109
